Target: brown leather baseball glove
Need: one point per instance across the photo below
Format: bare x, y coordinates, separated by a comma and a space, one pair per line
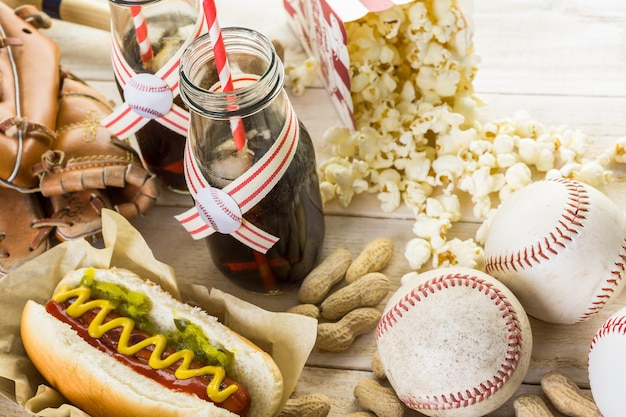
88, 168
58, 166
29, 85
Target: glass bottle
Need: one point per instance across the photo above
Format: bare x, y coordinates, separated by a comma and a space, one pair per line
292, 210
170, 26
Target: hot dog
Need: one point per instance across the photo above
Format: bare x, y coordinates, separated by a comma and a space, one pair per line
115, 344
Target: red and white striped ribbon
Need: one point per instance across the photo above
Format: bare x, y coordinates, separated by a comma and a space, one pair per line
141, 29
247, 190
123, 122
223, 67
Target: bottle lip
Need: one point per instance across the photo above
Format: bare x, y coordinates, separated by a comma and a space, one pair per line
133, 2
243, 101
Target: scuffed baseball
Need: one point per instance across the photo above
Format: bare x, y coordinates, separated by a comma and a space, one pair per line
219, 210
454, 342
148, 96
607, 365
559, 245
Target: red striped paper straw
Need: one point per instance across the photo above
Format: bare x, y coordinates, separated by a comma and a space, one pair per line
141, 28
223, 67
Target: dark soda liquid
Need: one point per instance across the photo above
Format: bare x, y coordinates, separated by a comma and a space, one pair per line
162, 149
293, 212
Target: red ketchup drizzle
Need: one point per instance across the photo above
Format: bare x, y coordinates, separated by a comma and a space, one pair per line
238, 403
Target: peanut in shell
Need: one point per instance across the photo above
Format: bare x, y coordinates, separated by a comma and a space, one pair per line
373, 258
367, 291
324, 276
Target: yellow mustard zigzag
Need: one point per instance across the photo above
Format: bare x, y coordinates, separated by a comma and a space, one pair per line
97, 328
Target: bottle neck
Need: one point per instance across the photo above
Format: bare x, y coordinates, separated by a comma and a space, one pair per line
257, 72
166, 25
128, 3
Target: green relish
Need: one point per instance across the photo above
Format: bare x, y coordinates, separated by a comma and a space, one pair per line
137, 306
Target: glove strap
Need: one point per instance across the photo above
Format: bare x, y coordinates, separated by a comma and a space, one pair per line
4, 42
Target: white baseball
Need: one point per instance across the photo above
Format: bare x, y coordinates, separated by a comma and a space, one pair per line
607, 365
454, 342
559, 245
218, 209
148, 96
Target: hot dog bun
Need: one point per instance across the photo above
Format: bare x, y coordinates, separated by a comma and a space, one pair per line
101, 386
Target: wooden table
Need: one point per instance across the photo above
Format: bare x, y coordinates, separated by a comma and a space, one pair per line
564, 62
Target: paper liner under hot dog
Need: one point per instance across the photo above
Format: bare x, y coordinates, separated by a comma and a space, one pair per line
289, 343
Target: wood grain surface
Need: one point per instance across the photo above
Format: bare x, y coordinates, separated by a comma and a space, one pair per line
563, 62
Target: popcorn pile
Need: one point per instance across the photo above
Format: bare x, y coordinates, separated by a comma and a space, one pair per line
418, 140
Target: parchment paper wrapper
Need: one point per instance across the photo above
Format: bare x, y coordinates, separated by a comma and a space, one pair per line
289, 338
320, 27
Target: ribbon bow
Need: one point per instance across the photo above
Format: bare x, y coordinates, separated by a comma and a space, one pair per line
158, 91
222, 210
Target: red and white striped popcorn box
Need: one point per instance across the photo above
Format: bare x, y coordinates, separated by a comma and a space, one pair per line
320, 27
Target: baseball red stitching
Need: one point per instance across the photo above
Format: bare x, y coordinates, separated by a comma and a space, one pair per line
145, 88
571, 222
486, 388
612, 325
609, 286
145, 109
221, 205
208, 217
